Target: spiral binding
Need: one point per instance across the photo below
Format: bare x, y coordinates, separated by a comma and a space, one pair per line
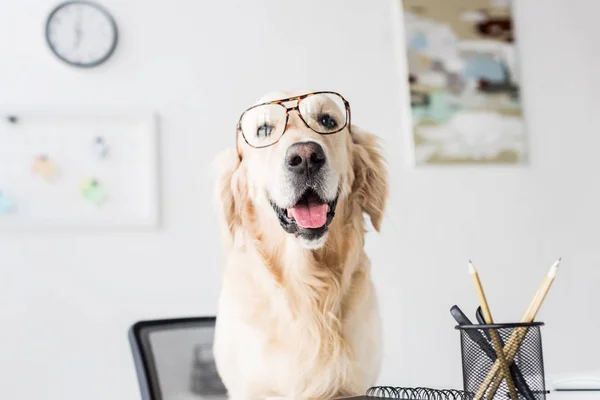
418, 393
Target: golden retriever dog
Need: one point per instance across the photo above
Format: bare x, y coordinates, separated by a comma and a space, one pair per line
298, 315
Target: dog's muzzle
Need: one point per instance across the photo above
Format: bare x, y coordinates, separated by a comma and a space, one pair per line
312, 212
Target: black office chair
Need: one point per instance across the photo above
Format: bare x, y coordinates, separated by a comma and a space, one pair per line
174, 360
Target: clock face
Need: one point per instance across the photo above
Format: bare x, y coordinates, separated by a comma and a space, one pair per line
81, 33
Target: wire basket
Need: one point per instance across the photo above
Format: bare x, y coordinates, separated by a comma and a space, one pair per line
522, 343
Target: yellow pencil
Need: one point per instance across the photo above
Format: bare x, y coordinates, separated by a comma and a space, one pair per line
515, 339
496, 341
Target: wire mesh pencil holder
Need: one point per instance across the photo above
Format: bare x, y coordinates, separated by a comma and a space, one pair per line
522, 344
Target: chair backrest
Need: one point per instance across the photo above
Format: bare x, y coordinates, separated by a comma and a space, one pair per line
174, 360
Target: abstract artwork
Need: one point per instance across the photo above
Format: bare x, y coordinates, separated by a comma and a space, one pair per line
464, 83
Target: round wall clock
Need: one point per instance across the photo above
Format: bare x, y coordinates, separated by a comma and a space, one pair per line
81, 33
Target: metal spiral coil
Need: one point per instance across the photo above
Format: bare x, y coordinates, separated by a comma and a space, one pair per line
418, 393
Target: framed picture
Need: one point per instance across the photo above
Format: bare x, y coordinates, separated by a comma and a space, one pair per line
464, 82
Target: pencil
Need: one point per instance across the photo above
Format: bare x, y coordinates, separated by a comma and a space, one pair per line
515, 339
496, 341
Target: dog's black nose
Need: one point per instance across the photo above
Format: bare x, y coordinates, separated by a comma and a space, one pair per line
301, 158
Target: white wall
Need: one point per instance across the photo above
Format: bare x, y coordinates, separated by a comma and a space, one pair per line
66, 300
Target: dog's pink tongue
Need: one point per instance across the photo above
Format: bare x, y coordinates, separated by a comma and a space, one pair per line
311, 215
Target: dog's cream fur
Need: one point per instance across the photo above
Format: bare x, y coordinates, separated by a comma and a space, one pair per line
298, 320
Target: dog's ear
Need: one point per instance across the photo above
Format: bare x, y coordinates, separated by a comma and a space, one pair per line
370, 175
228, 191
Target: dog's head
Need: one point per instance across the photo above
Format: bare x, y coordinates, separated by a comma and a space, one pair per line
296, 161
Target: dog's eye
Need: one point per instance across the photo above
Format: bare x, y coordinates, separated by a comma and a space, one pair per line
327, 121
264, 131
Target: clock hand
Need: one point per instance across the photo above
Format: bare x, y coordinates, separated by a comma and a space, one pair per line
78, 32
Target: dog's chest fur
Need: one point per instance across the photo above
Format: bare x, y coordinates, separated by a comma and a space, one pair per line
309, 331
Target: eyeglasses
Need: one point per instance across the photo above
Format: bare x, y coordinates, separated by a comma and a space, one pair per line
264, 124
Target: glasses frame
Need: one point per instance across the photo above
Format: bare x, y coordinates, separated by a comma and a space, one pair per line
296, 108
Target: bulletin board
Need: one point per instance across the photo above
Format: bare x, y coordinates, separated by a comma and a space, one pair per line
78, 170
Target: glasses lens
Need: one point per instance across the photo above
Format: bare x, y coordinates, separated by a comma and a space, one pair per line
324, 112
263, 125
